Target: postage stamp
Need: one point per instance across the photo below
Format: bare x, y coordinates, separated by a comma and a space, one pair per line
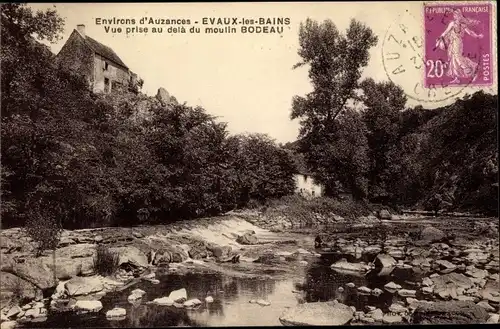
458, 44
438, 51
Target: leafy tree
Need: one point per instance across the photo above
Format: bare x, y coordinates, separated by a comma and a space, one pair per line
383, 104
335, 60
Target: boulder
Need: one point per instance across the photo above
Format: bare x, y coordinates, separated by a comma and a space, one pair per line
476, 273
451, 312
84, 286
384, 214
247, 239
8, 325
13, 311
268, 258
138, 292
198, 250
491, 291
317, 314
33, 270
420, 261
398, 308
494, 318
221, 251
131, 255
12, 286
372, 250
432, 234
163, 96
376, 314
484, 304
178, 296
445, 266
384, 261
446, 285
390, 319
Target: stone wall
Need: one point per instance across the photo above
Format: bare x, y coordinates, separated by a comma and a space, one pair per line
77, 57
113, 72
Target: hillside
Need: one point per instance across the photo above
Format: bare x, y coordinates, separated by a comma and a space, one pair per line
459, 154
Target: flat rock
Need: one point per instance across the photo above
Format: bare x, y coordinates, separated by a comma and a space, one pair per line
486, 306
192, 302
131, 255
317, 314
116, 312
87, 306
343, 264
384, 261
262, 302
392, 286
446, 266
163, 301
84, 286
450, 312
446, 285
407, 293
389, 319
376, 315
364, 290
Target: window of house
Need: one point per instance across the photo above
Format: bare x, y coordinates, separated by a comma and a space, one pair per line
106, 85
106, 66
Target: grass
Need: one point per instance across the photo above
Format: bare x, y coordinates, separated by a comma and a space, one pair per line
106, 262
306, 212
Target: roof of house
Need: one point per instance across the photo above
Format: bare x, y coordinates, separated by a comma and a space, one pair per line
104, 51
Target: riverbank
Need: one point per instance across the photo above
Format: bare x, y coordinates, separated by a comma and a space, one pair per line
246, 246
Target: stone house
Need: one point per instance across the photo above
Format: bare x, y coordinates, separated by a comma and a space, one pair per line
306, 186
98, 63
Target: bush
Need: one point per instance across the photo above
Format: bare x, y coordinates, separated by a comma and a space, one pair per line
305, 212
106, 262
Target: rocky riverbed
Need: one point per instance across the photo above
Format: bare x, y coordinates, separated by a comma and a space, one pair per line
221, 271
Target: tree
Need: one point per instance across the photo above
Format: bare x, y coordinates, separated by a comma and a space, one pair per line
335, 60
383, 102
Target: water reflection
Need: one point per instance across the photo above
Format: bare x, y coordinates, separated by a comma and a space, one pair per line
230, 306
231, 296
323, 284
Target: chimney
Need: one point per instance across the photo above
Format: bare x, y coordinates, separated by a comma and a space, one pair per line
81, 29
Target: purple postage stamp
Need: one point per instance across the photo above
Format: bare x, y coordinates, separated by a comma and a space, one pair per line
458, 44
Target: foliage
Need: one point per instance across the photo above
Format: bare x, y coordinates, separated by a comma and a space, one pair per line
383, 105
441, 159
106, 261
335, 60
74, 159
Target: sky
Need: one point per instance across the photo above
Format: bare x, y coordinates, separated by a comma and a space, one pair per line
246, 80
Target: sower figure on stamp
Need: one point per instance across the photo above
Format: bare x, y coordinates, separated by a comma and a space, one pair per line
451, 40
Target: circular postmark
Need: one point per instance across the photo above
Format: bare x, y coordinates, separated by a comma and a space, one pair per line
405, 64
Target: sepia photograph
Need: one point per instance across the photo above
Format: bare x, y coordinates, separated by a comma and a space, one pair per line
249, 164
